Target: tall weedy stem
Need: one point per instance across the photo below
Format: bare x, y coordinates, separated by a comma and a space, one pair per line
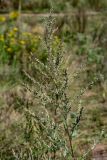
49, 125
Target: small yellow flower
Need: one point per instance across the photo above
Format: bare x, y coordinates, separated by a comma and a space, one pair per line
2, 38
12, 41
11, 34
9, 49
2, 19
15, 29
26, 34
22, 42
14, 15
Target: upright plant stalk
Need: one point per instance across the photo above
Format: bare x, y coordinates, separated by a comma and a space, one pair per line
54, 129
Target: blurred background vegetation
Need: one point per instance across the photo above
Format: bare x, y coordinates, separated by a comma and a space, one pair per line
82, 25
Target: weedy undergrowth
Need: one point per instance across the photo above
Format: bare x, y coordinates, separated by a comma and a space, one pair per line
51, 124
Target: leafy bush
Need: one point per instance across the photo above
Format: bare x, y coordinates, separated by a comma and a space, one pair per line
50, 129
16, 46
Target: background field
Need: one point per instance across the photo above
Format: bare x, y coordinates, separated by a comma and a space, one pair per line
82, 26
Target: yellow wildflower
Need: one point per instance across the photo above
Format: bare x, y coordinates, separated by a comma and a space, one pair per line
9, 49
12, 41
2, 19
15, 29
11, 34
26, 34
2, 38
14, 15
22, 42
